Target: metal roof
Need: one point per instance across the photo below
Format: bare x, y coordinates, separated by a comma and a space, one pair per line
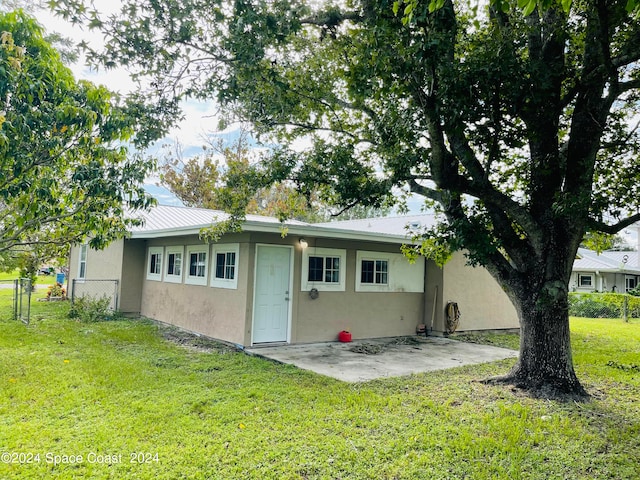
401, 225
187, 220
612, 262
166, 220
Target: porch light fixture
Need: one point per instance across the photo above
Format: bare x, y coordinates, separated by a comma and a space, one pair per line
303, 243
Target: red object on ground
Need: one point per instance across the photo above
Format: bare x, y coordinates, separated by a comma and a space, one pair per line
344, 336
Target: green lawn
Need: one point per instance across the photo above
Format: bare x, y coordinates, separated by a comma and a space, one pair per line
135, 405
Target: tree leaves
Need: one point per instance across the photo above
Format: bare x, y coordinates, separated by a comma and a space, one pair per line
64, 173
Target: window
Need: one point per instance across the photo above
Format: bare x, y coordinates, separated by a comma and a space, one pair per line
630, 283
82, 262
197, 266
225, 266
374, 272
173, 272
388, 272
323, 269
154, 263
585, 281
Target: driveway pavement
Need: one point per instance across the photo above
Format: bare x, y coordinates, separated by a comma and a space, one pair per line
363, 360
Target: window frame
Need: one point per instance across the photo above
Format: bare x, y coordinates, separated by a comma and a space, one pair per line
322, 285
82, 261
172, 277
362, 256
633, 278
196, 279
591, 278
226, 248
151, 251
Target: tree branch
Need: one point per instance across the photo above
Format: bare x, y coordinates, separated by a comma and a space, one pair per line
615, 228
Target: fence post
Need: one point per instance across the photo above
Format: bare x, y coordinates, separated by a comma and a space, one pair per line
16, 292
625, 308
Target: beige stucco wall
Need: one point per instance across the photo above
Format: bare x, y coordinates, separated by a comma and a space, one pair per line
434, 306
103, 264
364, 314
227, 314
482, 302
216, 312
133, 260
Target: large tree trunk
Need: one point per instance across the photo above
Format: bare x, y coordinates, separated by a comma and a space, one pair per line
545, 366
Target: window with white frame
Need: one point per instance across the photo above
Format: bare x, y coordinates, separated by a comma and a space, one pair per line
323, 269
154, 263
630, 282
82, 262
197, 265
174, 262
373, 271
225, 266
585, 281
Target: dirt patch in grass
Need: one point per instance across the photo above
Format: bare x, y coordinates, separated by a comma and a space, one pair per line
194, 342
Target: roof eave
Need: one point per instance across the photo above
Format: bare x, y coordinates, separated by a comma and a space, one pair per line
291, 229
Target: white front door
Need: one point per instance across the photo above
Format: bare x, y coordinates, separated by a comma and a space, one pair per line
272, 294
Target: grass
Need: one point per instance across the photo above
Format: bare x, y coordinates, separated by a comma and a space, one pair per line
110, 390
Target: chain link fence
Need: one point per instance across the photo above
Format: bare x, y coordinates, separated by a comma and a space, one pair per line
96, 290
23, 301
20, 290
604, 305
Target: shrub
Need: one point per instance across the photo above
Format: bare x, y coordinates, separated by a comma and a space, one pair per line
91, 309
603, 305
56, 290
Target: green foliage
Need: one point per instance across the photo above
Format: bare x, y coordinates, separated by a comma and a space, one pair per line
64, 169
599, 242
603, 305
233, 184
89, 309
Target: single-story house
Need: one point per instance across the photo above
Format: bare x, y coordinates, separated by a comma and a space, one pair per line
609, 271
291, 283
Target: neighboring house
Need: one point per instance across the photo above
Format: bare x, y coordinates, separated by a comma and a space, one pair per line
260, 286
608, 271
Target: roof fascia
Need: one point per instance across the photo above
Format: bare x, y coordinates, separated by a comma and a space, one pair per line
261, 227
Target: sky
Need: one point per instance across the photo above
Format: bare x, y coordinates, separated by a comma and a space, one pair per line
200, 117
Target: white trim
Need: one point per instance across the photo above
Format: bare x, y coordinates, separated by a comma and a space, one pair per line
196, 279
255, 278
373, 256
84, 251
626, 282
151, 251
306, 284
402, 275
225, 248
591, 276
173, 277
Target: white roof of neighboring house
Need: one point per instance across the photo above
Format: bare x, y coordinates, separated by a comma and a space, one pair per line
165, 220
608, 261
402, 225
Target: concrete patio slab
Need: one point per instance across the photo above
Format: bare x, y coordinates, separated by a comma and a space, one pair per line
364, 360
